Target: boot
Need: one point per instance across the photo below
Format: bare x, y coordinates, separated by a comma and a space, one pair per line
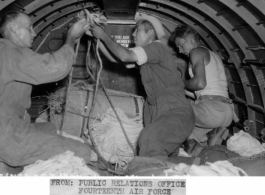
192, 147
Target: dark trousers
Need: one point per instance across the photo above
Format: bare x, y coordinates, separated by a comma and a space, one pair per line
163, 135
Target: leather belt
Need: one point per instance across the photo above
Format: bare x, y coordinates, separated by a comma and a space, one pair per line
216, 98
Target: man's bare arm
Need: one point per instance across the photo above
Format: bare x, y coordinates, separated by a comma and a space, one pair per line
198, 82
122, 53
106, 52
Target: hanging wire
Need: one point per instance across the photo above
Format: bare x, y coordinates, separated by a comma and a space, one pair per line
96, 90
70, 81
97, 79
105, 92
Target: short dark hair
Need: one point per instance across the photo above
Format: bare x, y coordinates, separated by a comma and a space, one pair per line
7, 18
182, 31
147, 26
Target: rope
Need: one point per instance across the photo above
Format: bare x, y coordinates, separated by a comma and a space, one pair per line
88, 60
112, 106
70, 80
104, 90
95, 94
90, 133
94, 97
93, 104
97, 78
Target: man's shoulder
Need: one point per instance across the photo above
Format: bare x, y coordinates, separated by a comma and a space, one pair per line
199, 52
5, 42
157, 45
5, 46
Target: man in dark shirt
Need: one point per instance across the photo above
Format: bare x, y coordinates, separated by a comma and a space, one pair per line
168, 116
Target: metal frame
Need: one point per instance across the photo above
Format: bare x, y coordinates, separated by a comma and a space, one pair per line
5, 3
251, 21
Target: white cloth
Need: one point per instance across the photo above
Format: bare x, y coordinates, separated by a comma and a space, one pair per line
110, 139
219, 168
65, 164
244, 144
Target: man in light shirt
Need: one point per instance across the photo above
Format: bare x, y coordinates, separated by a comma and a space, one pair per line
212, 107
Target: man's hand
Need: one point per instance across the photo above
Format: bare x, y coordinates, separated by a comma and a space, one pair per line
88, 32
78, 29
97, 31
